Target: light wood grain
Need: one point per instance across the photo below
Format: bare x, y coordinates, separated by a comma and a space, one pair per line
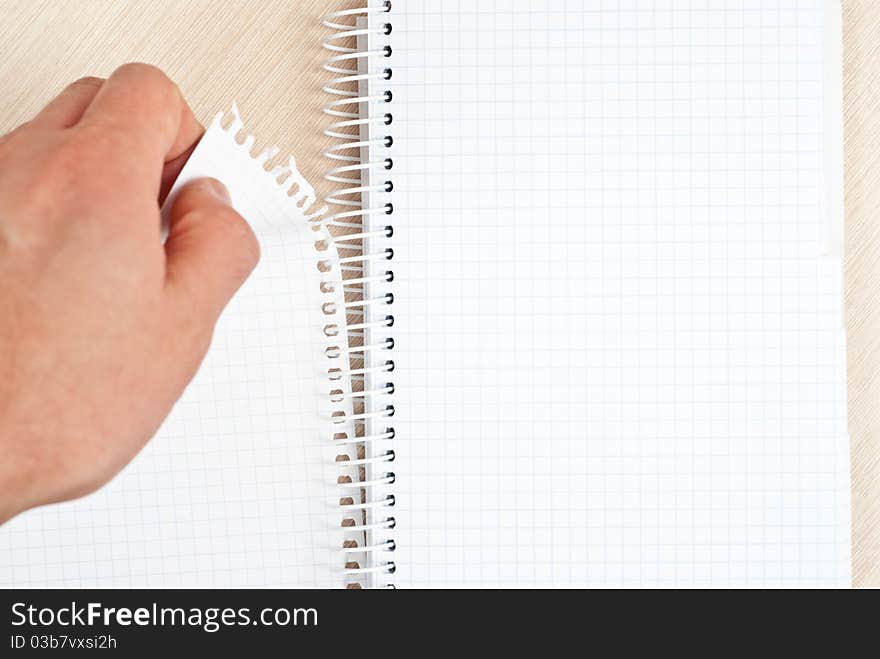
266, 55
861, 71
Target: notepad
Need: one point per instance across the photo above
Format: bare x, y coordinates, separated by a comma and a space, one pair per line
572, 318
618, 346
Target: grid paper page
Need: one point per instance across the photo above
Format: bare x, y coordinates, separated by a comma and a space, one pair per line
235, 490
618, 342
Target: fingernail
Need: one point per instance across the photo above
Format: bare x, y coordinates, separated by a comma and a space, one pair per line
218, 189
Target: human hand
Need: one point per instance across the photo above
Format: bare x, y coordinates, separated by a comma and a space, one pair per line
101, 325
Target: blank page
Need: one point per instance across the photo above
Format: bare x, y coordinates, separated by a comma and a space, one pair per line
237, 488
618, 342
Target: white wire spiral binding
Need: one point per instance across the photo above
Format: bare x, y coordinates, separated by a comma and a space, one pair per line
358, 158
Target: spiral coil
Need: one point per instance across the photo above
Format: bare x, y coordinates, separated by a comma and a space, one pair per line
361, 164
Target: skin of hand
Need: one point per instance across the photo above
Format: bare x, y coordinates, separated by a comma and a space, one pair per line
102, 325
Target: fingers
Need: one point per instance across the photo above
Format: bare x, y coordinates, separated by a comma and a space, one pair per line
142, 103
66, 109
171, 171
210, 252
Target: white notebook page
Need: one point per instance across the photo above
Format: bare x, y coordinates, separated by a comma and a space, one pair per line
618, 340
237, 488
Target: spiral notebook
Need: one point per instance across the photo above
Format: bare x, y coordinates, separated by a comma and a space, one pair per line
572, 317
610, 238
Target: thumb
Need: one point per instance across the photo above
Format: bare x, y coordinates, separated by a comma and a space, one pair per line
210, 250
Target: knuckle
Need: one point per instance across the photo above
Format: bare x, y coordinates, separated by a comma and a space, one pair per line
74, 161
58, 171
86, 82
138, 69
145, 90
152, 77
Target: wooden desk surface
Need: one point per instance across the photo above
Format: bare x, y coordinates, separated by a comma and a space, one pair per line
267, 56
